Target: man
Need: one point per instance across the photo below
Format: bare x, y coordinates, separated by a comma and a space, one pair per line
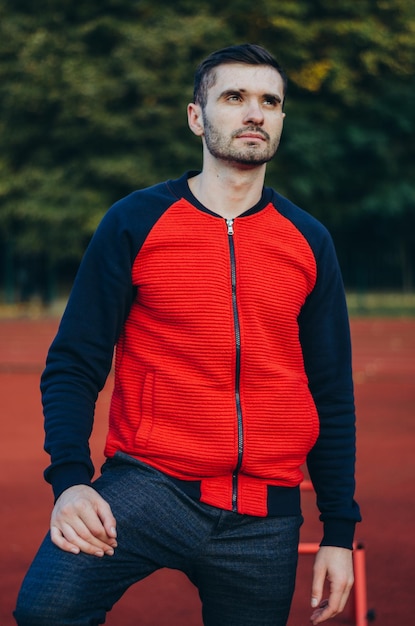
232, 368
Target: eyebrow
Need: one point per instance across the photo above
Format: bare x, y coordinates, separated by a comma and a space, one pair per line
231, 92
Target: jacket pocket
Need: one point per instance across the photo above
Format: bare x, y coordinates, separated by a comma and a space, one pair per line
146, 423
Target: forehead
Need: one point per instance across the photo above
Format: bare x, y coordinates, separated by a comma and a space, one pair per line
263, 79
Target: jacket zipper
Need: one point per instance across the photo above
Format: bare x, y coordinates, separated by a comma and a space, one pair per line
230, 224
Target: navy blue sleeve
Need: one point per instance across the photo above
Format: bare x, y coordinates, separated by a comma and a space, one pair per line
80, 357
325, 339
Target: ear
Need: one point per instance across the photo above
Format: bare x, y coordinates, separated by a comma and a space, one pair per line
195, 119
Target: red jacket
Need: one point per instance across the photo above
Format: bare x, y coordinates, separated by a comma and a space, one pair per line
232, 352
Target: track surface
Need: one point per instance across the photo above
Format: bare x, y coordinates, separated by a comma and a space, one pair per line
384, 372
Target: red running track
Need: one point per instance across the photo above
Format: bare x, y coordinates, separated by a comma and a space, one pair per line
384, 372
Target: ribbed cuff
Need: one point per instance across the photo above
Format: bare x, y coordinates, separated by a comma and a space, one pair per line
339, 533
64, 476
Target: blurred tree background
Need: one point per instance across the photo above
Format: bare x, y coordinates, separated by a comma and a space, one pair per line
93, 98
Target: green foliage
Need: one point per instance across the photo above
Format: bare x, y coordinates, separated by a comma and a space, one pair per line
93, 98
93, 106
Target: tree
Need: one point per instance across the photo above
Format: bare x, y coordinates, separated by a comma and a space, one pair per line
93, 97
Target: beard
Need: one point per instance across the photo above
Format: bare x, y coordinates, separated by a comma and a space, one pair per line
250, 154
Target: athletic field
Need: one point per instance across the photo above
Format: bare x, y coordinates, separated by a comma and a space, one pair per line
384, 372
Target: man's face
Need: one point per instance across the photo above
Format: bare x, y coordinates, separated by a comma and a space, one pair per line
243, 117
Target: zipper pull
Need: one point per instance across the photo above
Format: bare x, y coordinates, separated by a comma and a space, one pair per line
229, 224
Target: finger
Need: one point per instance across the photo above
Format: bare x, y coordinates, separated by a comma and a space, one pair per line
67, 540
59, 540
339, 592
76, 535
331, 607
89, 526
345, 597
317, 587
108, 521
322, 613
318, 615
90, 537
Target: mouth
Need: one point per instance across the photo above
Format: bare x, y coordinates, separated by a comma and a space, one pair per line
252, 135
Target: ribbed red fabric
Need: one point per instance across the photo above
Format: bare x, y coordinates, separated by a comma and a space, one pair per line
174, 404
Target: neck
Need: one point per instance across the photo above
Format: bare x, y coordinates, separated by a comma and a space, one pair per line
228, 191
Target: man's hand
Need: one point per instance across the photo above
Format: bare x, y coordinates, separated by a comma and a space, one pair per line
82, 521
335, 564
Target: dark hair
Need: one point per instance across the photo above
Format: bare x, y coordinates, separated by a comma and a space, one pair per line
250, 54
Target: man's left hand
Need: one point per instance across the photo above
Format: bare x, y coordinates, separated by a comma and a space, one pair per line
335, 564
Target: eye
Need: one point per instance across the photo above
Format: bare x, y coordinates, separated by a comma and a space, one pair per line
271, 101
233, 97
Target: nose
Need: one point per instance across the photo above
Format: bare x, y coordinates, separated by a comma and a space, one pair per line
254, 113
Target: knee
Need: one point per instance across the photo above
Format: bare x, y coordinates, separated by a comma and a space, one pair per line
32, 615
37, 608
57, 609
33, 612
